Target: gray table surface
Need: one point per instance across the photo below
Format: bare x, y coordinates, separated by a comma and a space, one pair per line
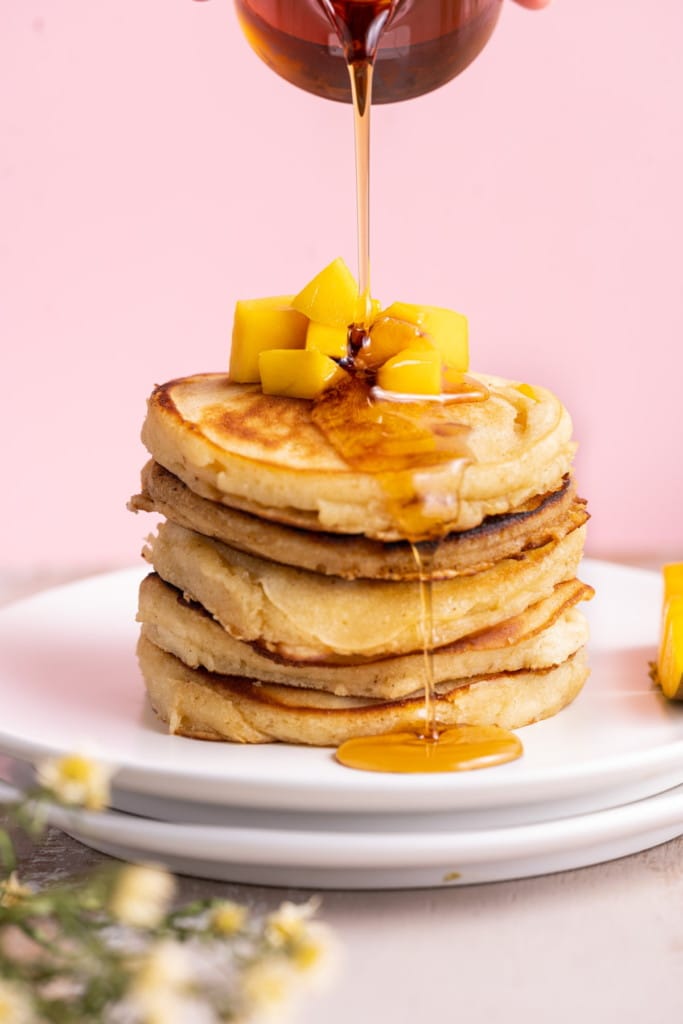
603, 943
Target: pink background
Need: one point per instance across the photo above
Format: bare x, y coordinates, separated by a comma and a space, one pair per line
152, 171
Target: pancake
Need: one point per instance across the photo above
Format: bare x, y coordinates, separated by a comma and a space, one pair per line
264, 455
284, 604
205, 705
543, 635
546, 518
308, 616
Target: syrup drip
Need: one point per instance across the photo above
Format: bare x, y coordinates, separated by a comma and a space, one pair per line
430, 731
361, 89
396, 441
427, 748
359, 24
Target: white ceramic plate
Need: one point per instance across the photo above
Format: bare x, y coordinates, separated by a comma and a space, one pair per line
69, 679
354, 858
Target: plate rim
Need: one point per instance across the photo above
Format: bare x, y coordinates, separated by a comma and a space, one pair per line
377, 791
358, 850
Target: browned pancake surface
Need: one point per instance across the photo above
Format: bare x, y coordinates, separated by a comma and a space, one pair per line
263, 454
548, 517
201, 704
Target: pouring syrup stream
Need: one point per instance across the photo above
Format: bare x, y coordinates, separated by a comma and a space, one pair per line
359, 25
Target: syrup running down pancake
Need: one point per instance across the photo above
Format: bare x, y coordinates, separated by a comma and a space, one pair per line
283, 603
264, 454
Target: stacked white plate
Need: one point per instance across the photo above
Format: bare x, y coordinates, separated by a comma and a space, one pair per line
601, 780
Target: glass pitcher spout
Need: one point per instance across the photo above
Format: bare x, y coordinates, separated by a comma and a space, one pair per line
420, 44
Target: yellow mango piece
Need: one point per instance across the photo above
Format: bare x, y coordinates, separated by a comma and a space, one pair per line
447, 330
387, 337
260, 324
331, 297
528, 392
670, 659
331, 341
412, 372
672, 575
303, 373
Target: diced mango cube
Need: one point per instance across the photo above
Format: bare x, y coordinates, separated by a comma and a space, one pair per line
331, 297
303, 373
670, 659
331, 341
447, 330
262, 324
412, 372
387, 337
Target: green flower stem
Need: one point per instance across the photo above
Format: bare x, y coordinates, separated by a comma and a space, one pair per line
7, 854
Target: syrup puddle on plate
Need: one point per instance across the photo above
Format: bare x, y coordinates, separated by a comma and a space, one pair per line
462, 748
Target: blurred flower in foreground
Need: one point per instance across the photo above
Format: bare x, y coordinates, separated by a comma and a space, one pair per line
142, 895
308, 943
76, 780
316, 952
289, 922
11, 892
269, 988
300, 954
111, 948
228, 918
15, 1007
158, 993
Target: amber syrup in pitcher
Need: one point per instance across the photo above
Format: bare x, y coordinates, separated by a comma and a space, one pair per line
425, 44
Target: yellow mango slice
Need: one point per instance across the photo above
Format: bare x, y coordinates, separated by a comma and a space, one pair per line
447, 330
331, 341
672, 575
261, 324
672, 578
387, 337
412, 372
670, 659
303, 373
331, 297
528, 392
670, 655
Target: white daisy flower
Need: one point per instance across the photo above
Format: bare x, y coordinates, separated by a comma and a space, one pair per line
228, 918
15, 1004
289, 922
142, 895
76, 780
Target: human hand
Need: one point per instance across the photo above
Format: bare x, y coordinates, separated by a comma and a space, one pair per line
533, 5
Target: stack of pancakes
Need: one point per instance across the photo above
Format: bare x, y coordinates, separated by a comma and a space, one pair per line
284, 603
